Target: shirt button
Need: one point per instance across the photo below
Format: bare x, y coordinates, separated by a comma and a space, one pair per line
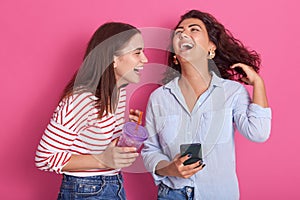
189, 189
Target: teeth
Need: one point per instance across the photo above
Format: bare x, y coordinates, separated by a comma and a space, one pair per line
138, 68
186, 46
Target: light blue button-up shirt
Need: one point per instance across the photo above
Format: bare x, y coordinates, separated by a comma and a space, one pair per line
224, 106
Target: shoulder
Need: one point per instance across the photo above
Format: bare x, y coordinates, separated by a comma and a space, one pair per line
161, 94
76, 102
80, 98
157, 91
231, 83
232, 86
166, 88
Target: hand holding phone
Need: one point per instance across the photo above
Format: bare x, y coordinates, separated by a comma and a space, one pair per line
194, 149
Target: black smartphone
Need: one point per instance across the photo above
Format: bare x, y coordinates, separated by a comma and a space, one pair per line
194, 149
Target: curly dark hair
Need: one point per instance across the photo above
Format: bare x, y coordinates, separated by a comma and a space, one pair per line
229, 49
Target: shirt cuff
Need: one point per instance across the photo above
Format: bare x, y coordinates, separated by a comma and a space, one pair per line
154, 162
258, 111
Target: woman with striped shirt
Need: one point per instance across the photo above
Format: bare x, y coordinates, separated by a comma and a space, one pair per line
80, 140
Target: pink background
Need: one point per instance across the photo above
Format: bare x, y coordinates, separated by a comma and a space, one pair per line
42, 44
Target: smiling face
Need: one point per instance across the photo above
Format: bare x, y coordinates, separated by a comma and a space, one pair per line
191, 41
129, 61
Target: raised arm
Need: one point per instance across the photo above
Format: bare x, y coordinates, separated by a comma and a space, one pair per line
259, 91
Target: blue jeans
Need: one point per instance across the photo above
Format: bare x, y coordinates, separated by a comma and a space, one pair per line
92, 188
166, 193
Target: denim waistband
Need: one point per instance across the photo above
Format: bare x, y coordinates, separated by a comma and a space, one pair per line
112, 178
165, 191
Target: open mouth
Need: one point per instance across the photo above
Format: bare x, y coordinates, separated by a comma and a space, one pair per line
186, 46
138, 68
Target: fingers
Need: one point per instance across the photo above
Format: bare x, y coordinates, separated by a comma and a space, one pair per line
114, 143
117, 157
190, 170
251, 74
244, 67
124, 163
128, 155
134, 115
186, 171
245, 80
125, 159
126, 149
239, 65
183, 158
124, 156
126, 152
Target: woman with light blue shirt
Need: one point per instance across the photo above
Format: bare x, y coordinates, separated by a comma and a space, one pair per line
203, 101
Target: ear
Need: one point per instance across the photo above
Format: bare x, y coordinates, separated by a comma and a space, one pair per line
211, 46
115, 62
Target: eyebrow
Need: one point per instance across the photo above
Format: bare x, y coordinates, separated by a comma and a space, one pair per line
181, 27
137, 49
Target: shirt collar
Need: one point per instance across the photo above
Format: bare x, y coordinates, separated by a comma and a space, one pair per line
215, 81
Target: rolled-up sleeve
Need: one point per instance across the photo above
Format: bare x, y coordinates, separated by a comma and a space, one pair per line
252, 120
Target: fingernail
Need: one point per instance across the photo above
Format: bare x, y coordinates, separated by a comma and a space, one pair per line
189, 155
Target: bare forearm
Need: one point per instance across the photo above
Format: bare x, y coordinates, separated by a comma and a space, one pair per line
177, 169
162, 169
259, 94
82, 162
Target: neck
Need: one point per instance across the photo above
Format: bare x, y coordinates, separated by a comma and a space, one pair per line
120, 83
196, 75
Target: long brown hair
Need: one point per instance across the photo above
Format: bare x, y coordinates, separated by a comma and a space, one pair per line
96, 73
229, 49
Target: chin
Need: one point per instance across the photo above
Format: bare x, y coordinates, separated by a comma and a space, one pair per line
135, 81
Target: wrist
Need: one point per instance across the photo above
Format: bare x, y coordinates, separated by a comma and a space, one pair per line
258, 82
162, 168
99, 159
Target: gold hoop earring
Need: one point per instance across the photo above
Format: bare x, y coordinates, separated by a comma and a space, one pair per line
175, 61
211, 54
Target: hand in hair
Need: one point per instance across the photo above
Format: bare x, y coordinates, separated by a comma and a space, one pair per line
251, 75
252, 78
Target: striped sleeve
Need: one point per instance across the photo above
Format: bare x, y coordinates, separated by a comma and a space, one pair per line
54, 149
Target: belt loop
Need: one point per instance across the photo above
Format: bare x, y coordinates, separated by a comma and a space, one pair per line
119, 176
164, 189
103, 179
189, 192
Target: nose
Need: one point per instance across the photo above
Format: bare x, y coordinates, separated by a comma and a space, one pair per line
183, 34
144, 59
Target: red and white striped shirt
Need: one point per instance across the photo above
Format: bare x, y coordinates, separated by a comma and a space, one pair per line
76, 129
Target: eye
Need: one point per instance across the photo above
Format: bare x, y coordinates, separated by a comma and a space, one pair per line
177, 32
138, 52
195, 29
